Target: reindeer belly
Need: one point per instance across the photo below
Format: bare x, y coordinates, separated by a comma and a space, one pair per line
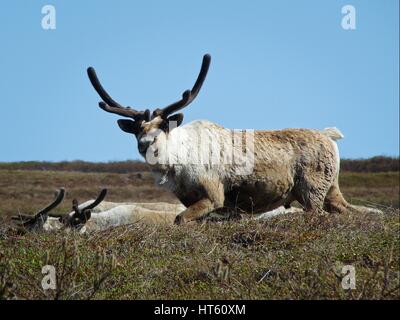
259, 196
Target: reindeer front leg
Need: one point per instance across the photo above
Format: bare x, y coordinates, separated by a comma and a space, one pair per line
213, 199
195, 211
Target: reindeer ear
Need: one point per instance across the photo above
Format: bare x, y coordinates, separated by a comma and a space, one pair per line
178, 118
128, 126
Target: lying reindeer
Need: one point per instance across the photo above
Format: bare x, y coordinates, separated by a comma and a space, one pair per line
284, 165
44, 219
97, 214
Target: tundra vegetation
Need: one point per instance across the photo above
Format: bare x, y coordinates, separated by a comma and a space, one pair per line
298, 256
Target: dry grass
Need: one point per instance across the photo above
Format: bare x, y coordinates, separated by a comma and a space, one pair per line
287, 257
376, 189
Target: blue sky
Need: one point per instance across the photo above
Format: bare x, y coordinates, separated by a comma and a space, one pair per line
275, 64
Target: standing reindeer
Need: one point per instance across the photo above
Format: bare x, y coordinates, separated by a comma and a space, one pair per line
285, 165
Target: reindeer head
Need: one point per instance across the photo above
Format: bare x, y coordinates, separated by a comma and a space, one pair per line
81, 214
148, 126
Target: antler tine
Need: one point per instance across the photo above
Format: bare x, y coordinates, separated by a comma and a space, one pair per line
189, 95
122, 111
58, 199
109, 104
96, 202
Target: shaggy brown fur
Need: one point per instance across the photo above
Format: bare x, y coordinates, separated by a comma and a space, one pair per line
289, 165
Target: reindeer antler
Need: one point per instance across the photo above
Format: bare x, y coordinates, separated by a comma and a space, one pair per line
36, 221
189, 95
110, 105
98, 200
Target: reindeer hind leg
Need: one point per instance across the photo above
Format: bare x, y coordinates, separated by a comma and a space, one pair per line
335, 203
311, 194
